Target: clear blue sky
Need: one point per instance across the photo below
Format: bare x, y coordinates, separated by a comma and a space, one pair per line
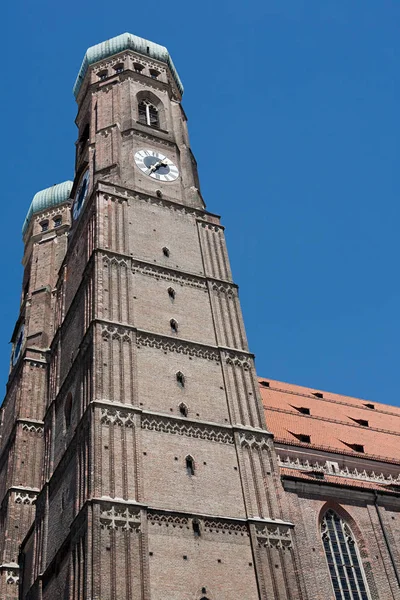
293, 113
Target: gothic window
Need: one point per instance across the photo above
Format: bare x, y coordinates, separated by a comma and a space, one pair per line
183, 409
119, 68
154, 74
138, 67
180, 378
44, 225
171, 293
148, 114
174, 325
103, 75
189, 466
57, 221
68, 410
345, 568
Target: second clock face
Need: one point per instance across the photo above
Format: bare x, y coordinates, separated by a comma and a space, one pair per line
156, 165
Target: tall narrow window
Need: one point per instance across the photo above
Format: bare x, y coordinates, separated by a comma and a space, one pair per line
180, 378
189, 466
345, 568
196, 528
183, 409
148, 114
174, 325
171, 293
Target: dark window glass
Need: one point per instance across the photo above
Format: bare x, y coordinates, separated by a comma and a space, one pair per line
347, 577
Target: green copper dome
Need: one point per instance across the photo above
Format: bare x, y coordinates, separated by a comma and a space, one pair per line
52, 196
125, 41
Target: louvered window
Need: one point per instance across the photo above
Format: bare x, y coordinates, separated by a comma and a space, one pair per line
345, 568
148, 114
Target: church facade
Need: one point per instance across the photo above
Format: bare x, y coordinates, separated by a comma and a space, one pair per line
140, 455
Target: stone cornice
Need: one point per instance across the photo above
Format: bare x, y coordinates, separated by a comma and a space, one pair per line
128, 194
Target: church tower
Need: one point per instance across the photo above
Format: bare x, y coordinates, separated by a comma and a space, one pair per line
159, 476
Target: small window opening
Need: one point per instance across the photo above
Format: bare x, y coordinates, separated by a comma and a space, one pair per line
183, 409
171, 293
318, 394
57, 221
356, 447
103, 75
138, 67
174, 325
203, 590
302, 437
189, 466
119, 68
166, 251
371, 406
302, 409
44, 225
362, 422
180, 378
264, 383
153, 73
196, 528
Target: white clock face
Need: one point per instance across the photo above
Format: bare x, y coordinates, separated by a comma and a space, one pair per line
156, 165
81, 194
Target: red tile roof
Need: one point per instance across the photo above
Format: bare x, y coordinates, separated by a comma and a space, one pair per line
332, 423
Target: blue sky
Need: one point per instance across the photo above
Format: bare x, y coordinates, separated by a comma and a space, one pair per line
293, 117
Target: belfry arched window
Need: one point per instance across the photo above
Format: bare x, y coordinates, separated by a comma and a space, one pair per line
148, 114
345, 568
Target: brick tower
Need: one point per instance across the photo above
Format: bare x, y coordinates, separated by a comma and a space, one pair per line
159, 477
22, 412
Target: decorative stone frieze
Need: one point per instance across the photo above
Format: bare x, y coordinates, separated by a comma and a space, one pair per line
120, 518
271, 535
117, 417
179, 346
203, 432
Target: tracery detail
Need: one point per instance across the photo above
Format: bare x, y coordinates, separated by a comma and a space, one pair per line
347, 575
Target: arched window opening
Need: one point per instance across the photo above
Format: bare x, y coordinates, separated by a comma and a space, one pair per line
153, 73
174, 325
345, 568
84, 137
102, 75
180, 378
44, 225
196, 528
189, 466
183, 409
119, 68
57, 221
166, 251
171, 293
138, 67
148, 114
68, 410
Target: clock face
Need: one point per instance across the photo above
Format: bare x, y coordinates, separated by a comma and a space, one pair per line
156, 165
18, 345
81, 194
